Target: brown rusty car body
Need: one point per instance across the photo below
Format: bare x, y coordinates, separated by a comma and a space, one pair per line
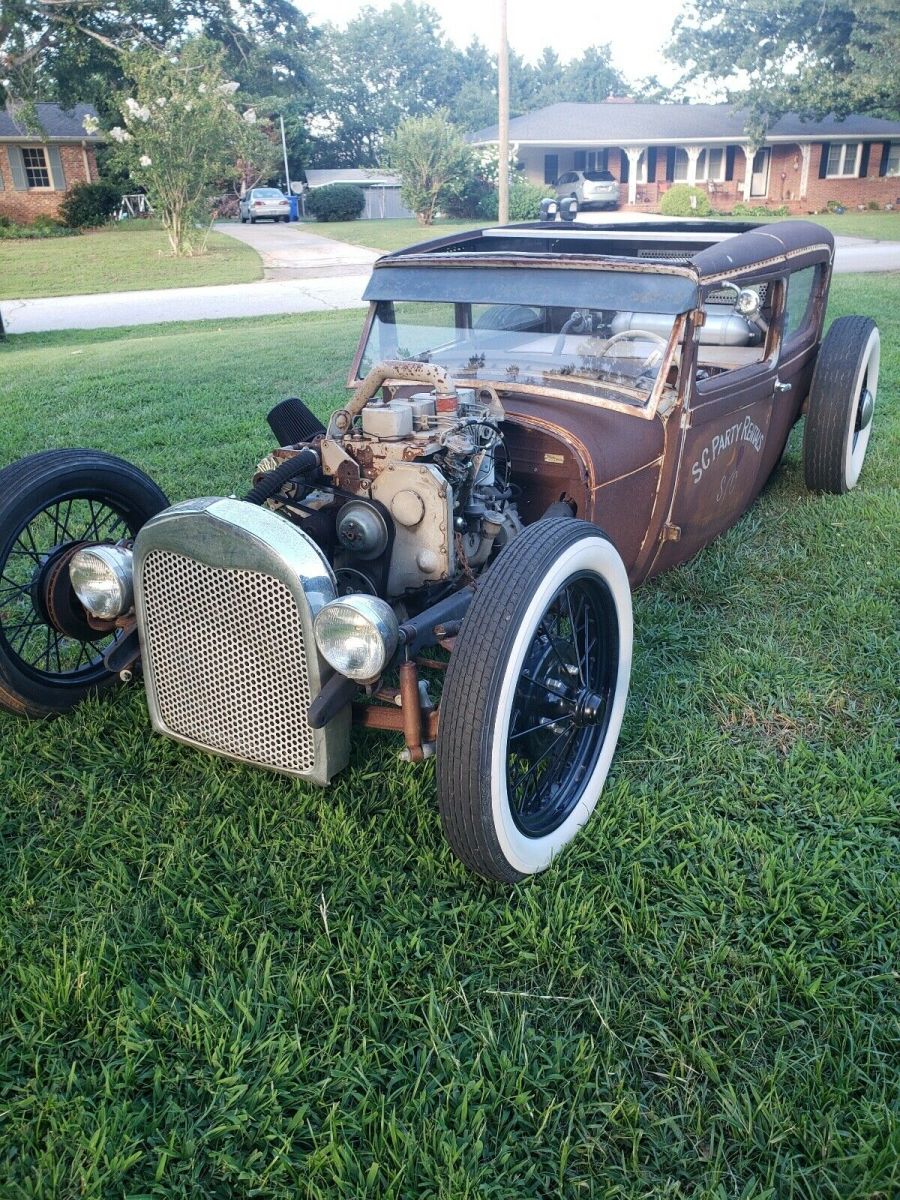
541, 417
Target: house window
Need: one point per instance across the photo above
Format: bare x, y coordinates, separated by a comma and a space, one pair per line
843, 159
37, 170
681, 166
892, 167
711, 165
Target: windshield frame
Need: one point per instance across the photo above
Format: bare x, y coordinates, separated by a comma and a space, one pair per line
415, 277
564, 391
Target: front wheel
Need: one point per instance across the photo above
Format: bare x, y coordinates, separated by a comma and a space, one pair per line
534, 699
50, 504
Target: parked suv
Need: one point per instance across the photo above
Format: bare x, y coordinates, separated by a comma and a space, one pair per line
592, 189
264, 203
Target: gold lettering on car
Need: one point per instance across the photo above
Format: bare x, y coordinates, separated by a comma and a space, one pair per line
741, 431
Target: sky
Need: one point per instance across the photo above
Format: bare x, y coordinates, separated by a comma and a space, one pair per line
635, 29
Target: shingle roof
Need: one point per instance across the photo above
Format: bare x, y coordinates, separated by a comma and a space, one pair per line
55, 122
316, 177
618, 123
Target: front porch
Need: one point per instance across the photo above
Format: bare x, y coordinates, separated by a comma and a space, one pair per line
730, 172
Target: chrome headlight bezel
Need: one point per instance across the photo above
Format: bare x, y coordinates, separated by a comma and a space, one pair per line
344, 622
102, 578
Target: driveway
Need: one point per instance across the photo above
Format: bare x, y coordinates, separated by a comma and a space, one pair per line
291, 252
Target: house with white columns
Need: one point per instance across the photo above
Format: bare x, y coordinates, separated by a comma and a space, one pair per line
801, 165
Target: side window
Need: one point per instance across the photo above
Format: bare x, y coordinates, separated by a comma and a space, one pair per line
797, 307
730, 338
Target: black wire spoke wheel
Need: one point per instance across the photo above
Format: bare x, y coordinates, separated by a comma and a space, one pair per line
562, 705
534, 698
48, 642
51, 504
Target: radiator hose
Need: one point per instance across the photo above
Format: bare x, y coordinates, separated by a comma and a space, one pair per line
303, 463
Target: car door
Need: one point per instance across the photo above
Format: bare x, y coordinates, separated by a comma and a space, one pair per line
806, 293
725, 425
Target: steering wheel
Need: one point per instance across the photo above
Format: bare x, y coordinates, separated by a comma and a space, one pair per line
633, 335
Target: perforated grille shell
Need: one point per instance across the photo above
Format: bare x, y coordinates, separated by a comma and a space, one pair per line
228, 660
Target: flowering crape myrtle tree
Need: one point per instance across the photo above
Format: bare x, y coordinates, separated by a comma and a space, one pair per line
182, 135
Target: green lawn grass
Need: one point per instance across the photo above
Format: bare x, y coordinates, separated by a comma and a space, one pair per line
384, 235
878, 226
218, 982
397, 234
132, 256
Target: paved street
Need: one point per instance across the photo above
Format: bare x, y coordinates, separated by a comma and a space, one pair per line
304, 273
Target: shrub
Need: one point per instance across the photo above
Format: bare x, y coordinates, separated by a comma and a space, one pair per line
463, 200
873, 206
758, 210
682, 200
90, 204
524, 201
43, 227
336, 202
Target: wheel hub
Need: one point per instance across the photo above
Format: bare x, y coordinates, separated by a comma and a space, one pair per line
54, 597
865, 411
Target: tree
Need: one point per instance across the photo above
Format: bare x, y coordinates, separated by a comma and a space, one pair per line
592, 77
813, 57
427, 153
183, 135
380, 70
71, 50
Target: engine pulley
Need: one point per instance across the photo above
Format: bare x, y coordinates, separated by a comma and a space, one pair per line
362, 530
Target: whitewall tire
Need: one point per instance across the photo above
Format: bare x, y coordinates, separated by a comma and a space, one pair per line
534, 699
841, 405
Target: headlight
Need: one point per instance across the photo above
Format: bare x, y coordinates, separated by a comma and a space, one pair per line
102, 577
357, 635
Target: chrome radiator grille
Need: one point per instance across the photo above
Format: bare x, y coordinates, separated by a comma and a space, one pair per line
228, 660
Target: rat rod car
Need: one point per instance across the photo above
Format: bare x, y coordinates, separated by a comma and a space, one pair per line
565, 410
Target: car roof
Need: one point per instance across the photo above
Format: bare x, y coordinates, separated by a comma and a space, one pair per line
700, 249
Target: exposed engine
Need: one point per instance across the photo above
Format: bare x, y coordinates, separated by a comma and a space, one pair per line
410, 492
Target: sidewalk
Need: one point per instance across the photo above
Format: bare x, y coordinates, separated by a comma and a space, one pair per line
113, 309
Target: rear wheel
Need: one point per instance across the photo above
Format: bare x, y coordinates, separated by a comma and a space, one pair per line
841, 405
534, 698
50, 504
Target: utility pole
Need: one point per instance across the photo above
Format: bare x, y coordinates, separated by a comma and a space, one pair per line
287, 174
503, 98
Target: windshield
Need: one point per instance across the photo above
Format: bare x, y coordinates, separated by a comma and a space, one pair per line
268, 194
598, 177
604, 352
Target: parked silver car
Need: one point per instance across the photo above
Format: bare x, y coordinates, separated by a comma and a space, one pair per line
590, 188
264, 204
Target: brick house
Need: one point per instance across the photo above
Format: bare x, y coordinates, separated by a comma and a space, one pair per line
37, 169
648, 147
